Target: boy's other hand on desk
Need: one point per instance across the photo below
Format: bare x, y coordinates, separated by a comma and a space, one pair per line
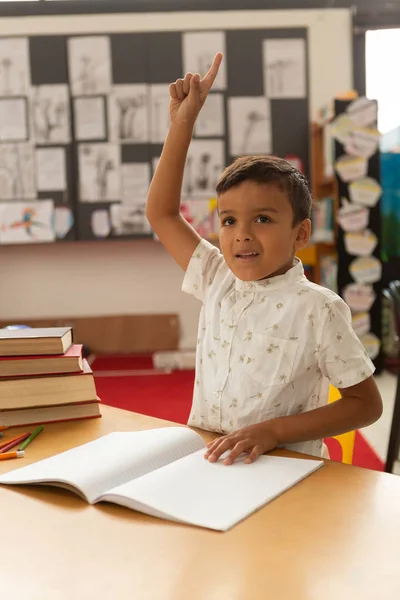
188, 95
254, 440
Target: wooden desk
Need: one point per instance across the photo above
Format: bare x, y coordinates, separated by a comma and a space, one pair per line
334, 536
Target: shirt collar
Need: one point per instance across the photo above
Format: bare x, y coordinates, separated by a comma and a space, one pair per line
293, 275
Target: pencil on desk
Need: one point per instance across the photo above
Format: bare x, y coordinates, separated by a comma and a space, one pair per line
31, 437
14, 442
8, 455
3, 427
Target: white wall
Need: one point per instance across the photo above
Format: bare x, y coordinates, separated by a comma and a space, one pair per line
105, 278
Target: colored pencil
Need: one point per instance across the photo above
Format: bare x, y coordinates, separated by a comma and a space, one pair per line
3, 427
14, 442
31, 437
8, 455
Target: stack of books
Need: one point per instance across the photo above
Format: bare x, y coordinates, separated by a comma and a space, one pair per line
44, 378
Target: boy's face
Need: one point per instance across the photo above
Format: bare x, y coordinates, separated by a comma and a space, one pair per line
257, 235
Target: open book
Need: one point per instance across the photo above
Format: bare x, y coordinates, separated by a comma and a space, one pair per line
163, 473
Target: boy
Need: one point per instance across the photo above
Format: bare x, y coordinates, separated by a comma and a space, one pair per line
269, 340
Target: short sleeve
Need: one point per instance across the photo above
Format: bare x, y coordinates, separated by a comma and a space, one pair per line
201, 270
342, 357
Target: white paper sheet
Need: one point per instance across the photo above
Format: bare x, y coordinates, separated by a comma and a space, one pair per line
360, 243
51, 114
135, 182
199, 50
99, 172
211, 120
89, 62
51, 169
352, 217
363, 112
90, 118
130, 219
23, 223
371, 344
365, 191
359, 297
361, 323
13, 120
63, 221
17, 173
366, 270
285, 68
159, 112
128, 113
249, 126
100, 223
15, 75
204, 165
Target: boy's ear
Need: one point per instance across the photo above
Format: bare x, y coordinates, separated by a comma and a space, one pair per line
303, 234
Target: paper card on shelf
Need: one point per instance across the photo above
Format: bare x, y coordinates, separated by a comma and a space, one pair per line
351, 167
63, 221
26, 223
198, 51
51, 169
352, 217
211, 120
360, 243
100, 223
371, 344
359, 297
366, 270
340, 128
361, 323
249, 126
365, 191
363, 112
363, 142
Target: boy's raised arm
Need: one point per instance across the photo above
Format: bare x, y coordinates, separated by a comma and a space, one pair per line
187, 97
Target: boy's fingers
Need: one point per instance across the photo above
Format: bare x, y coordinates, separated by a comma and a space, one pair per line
186, 83
254, 454
209, 79
225, 445
172, 91
179, 89
239, 448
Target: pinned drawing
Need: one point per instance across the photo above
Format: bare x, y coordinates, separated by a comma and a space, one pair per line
128, 114
89, 62
63, 221
100, 223
211, 120
90, 118
26, 223
199, 50
249, 126
15, 76
159, 112
51, 114
135, 182
17, 173
130, 219
285, 68
204, 165
99, 172
13, 120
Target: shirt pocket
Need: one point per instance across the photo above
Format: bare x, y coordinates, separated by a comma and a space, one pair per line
272, 361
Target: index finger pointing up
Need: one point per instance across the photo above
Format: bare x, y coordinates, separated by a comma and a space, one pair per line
209, 79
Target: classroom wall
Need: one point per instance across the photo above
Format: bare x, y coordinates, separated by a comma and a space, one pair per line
136, 277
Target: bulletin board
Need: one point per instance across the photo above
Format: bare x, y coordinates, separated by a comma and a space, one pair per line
81, 133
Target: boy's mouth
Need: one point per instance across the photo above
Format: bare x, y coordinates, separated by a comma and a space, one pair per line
246, 256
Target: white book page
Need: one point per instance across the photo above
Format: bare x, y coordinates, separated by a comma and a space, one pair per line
110, 461
212, 495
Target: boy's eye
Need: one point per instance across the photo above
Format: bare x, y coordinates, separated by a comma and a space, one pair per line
263, 219
228, 221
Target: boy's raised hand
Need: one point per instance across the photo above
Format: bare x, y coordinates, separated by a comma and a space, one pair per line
189, 94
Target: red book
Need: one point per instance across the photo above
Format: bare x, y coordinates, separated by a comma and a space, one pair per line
26, 366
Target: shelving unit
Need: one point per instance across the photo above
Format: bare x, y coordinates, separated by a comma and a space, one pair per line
322, 187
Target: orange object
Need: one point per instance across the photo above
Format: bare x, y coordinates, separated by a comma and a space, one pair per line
8, 455
2, 428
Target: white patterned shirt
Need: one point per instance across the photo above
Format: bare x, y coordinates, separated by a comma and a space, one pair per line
267, 348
